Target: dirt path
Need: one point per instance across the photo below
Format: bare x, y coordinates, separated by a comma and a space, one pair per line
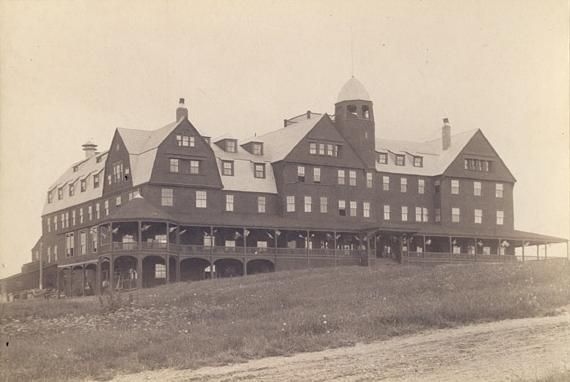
510, 350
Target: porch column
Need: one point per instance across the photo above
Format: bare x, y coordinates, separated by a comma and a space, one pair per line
307, 238
178, 268
70, 284
139, 240
140, 259
538, 251
111, 274
167, 236
98, 277
523, 250
450, 247
499, 248
167, 266
476, 245
83, 280
275, 246
334, 249
212, 252
424, 246
545, 251
58, 287
244, 252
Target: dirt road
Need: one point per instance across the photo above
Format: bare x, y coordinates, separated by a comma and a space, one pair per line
511, 350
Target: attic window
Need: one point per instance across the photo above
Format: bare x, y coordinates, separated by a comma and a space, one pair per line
400, 160
83, 185
259, 170
96, 181
185, 141
352, 110
50, 196
365, 112
228, 168
382, 158
71, 190
231, 146
418, 162
257, 148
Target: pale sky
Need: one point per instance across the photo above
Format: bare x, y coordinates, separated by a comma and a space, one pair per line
75, 70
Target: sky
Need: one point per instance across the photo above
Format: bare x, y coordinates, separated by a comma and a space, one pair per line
71, 71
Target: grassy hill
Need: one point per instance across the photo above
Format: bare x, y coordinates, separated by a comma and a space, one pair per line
186, 325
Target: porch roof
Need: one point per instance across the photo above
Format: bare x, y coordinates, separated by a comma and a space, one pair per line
139, 209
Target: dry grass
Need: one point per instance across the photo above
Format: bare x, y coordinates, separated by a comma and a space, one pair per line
212, 322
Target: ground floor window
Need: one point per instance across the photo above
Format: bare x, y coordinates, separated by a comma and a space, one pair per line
159, 271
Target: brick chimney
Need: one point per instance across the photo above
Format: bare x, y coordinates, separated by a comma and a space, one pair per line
445, 134
308, 114
90, 149
181, 110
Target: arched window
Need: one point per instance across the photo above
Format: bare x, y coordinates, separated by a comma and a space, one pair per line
365, 112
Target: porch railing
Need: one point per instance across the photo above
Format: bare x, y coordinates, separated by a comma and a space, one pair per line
443, 257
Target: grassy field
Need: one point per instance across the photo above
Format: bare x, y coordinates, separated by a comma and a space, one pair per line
186, 325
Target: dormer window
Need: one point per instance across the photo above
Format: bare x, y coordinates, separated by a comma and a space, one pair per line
83, 185
50, 196
75, 168
400, 160
257, 148
228, 168
71, 190
231, 146
418, 162
365, 112
60, 193
382, 158
96, 181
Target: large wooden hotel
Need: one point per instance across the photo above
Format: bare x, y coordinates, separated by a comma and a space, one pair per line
175, 204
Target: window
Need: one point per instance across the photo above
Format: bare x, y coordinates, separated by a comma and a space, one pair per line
438, 215
400, 160
194, 167
421, 186
500, 217
324, 204
106, 207
262, 244
62, 221
290, 204
308, 204
386, 183
174, 165
55, 252
230, 244
228, 168
48, 222
331, 152
404, 213
418, 214
118, 171
231, 146
97, 211
342, 208
71, 189
69, 244
209, 240
426, 215
383, 158
185, 141
455, 215
437, 186
386, 212
352, 208
352, 178
352, 110
118, 201
321, 149
73, 217
55, 223
366, 209
159, 271
477, 188
83, 185
499, 190
257, 148
477, 165
341, 177
317, 175
229, 203
93, 233
167, 197
313, 148
60, 193
81, 216
49, 254
67, 219
96, 181
134, 193
201, 199
82, 243
50, 196
369, 180
403, 184
418, 162
300, 173
478, 216
261, 204
365, 112
259, 170
455, 186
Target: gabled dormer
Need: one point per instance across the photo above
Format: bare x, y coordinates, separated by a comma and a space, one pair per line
253, 147
227, 143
